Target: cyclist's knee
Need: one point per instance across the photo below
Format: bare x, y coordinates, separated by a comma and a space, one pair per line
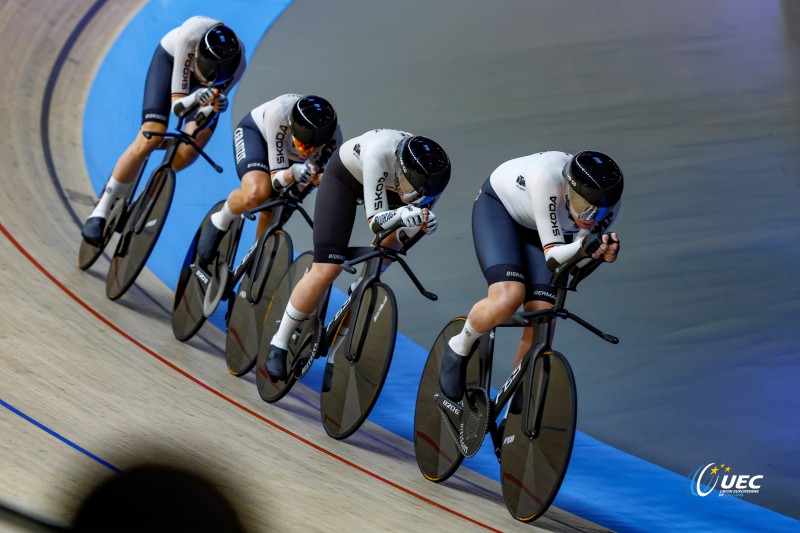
144, 146
256, 193
506, 297
323, 274
186, 156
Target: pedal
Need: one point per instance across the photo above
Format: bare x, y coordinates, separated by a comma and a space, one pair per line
202, 276
301, 365
466, 421
216, 289
451, 417
475, 421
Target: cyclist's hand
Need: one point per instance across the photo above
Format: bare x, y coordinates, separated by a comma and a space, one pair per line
604, 246
205, 96
221, 103
611, 241
411, 216
430, 224
591, 246
303, 172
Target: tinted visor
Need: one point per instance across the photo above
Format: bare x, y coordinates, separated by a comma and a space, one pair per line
586, 211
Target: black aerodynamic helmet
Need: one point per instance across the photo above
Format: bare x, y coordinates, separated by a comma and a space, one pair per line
217, 55
595, 177
424, 164
313, 121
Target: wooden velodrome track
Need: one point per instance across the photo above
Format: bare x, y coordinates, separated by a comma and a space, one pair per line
110, 379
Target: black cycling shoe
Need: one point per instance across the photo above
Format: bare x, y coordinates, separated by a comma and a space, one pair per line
453, 374
93, 230
276, 364
208, 243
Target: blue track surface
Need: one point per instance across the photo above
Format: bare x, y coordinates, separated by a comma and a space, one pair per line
603, 485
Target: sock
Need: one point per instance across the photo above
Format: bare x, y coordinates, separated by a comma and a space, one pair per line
462, 343
222, 219
114, 189
291, 319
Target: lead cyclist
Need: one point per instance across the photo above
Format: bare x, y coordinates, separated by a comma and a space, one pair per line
530, 215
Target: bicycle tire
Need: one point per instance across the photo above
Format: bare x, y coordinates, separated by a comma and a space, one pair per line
89, 253
532, 468
246, 317
135, 244
272, 392
187, 302
357, 381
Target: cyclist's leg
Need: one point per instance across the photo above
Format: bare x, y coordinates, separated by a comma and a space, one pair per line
252, 167
497, 245
155, 112
334, 215
155, 116
539, 294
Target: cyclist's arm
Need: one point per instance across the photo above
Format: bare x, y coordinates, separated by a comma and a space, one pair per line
274, 125
548, 204
380, 216
408, 237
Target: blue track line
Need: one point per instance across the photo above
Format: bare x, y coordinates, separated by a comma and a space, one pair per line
63, 439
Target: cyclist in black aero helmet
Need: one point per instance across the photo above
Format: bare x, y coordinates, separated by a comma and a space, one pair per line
532, 214
269, 160
217, 56
398, 177
424, 164
215, 62
313, 121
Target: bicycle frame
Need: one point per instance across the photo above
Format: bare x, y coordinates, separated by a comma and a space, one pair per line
142, 213
285, 206
373, 258
544, 321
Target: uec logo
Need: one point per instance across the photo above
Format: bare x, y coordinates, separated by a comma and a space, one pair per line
706, 478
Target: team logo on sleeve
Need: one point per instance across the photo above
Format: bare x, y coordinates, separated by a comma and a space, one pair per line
187, 68
521, 183
238, 140
357, 150
554, 217
379, 192
280, 137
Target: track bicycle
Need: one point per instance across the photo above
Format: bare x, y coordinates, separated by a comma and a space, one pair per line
200, 290
533, 443
358, 341
148, 213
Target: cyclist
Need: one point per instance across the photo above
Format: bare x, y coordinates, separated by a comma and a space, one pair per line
531, 214
398, 177
202, 53
288, 139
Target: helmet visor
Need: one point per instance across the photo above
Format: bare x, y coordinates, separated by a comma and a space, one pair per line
304, 147
406, 191
586, 211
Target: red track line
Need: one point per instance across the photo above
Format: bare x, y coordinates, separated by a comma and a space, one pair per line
231, 401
